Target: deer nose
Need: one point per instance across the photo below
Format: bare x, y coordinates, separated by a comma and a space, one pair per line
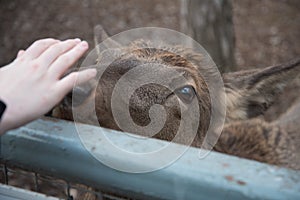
79, 94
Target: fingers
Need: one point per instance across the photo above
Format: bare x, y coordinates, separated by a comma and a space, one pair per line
20, 53
38, 47
65, 61
55, 51
67, 83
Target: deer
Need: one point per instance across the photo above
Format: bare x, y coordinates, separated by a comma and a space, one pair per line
248, 94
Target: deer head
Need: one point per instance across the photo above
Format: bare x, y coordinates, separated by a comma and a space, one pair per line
248, 93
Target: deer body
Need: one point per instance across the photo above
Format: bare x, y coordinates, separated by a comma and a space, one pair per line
248, 95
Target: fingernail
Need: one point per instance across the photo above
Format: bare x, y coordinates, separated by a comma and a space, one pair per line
77, 39
84, 44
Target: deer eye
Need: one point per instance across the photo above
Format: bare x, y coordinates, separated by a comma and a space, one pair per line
186, 93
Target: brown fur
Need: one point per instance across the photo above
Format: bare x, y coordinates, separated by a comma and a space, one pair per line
261, 141
248, 95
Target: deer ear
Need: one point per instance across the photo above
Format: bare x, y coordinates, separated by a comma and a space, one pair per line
100, 35
250, 93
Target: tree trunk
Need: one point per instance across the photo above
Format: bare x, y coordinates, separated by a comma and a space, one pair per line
209, 22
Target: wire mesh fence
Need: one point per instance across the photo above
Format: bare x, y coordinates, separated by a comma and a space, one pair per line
51, 186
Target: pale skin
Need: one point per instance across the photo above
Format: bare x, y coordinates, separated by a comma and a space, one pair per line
33, 83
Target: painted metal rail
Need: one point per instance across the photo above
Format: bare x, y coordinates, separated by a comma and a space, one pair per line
52, 147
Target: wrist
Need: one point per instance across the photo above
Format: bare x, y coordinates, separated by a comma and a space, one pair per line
8, 120
2, 111
2, 108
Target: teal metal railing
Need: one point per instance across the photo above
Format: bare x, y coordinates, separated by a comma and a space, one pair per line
52, 147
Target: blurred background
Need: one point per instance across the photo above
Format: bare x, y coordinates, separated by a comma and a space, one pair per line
238, 34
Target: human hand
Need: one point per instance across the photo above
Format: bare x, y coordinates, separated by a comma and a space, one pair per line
33, 83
